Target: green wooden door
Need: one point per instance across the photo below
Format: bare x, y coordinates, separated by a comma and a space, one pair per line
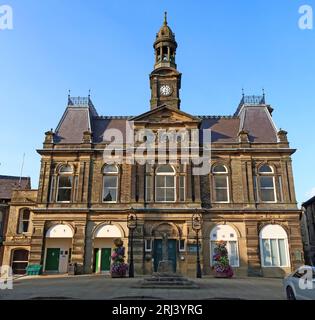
52, 259
172, 253
157, 254
105, 259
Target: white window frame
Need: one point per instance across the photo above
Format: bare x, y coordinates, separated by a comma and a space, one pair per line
146, 242
286, 246
182, 187
22, 220
180, 248
218, 174
267, 174
64, 174
111, 174
164, 174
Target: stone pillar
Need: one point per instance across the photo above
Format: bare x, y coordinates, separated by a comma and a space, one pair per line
295, 244
291, 180
253, 250
37, 243
44, 181
78, 248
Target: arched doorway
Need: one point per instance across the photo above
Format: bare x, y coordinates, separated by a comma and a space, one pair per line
165, 244
227, 234
104, 237
58, 247
19, 261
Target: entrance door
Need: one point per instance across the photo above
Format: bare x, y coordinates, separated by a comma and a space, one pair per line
52, 259
158, 253
105, 259
172, 253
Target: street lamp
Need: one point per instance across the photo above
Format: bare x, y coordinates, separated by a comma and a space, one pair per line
132, 225
196, 225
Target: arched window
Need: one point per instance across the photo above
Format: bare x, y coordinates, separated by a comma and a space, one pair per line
19, 261
110, 183
65, 182
165, 184
24, 221
274, 247
227, 234
266, 184
221, 184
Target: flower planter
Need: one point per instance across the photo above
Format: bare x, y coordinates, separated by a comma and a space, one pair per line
223, 275
116, 275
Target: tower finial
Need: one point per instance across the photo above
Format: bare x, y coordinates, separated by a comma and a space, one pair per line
165, 18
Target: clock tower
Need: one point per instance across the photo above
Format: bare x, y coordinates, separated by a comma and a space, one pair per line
165, 80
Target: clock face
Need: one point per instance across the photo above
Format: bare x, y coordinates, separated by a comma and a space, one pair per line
165, 90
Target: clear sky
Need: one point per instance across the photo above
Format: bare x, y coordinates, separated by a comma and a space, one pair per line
106, 46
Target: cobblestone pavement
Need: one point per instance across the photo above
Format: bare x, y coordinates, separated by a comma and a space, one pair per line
101, 287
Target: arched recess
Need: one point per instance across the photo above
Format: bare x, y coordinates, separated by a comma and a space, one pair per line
274, 246
229, 235
58, 248
103, 237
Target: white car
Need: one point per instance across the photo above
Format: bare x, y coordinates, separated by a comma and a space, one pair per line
300, 285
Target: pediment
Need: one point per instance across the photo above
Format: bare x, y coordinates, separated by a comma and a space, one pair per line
166, 115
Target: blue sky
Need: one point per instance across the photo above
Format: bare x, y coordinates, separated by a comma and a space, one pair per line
106, 46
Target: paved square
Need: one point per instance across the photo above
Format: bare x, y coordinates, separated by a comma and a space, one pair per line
104, 288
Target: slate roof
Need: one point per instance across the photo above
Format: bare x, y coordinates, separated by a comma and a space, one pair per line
256, 119
9, 183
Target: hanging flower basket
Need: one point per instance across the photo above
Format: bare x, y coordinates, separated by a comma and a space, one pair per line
119, 267
222, 268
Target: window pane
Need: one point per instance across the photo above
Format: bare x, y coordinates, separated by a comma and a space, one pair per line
265, 169
65, 182
267, 195
160, 181
213, 246
274, 253
182, 188
165, 169
282, 252
266, 182
25, 226
110, 169
221, 195
64, 195
66, 169
219, 169
220, 182
170, 181
170, 195
233, 254
110, 194
266, 252
160, 194
110, 181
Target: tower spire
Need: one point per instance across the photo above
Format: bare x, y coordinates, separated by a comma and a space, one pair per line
165, 18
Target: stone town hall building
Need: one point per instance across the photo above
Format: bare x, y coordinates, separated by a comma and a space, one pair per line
81, 205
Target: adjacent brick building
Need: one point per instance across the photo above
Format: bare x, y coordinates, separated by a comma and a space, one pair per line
246, 199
